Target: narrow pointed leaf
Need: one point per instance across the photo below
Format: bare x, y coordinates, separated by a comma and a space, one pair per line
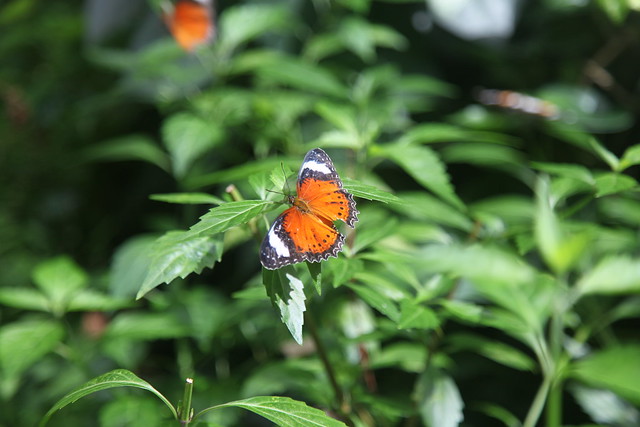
222, 218
116, 378
614, 275
369, 192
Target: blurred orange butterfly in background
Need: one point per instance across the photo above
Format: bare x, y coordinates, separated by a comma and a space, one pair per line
305, 231
191, 22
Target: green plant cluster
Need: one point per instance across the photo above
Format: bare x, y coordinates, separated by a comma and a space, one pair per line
493, 277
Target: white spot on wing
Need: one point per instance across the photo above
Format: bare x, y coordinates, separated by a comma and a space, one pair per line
278, 245
317, 167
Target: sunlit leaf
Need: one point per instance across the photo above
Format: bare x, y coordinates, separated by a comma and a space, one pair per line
614, 275
241, 24
24, 298
178, 254
287, 294
416, 316
116, 378
611, 183
630, 157
283, 411
438, 399
223, 217
59, 278
369, 192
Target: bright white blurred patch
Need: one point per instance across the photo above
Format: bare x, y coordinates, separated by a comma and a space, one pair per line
476, 19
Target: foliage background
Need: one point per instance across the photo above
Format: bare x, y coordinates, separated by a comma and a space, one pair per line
503, 280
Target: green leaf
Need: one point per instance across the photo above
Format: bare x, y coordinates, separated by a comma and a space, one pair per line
428, 208
187, 137
241, 24
59, 278
377, 299
222, 218
116, 378
23, 343
413, 315
612, 276
282, 411
130, 265
569, 170
426, 168
293, 72
146, 326
494, 350
559, 249
438, 399
617, 10
611, 183
178, 254
90, 300
614, 368
492, 156
188, 198
605, 407
24, 298
369, 192
621, 209
631, 157
134, 147
287, 293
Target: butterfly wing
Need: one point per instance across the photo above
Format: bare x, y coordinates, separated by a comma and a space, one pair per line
296, 236
191, 23
321, 188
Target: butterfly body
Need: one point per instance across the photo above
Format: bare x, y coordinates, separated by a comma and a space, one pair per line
305, 231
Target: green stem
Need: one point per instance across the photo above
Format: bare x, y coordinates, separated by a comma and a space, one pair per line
186, 412
538, 403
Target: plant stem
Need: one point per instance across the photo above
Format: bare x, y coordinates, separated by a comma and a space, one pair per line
185, 413
538, 403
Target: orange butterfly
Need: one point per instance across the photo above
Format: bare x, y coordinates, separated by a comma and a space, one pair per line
305, 231
191, 23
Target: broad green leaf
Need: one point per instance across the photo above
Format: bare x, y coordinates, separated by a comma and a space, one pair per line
130, 265
361, 37
178, 254
416, 316
491, 349
426, 168
611, 183
24, 298
377, 299
116, 378
134, 147
223, 217
369, 192
146, 326
510, 208
631, 157
428, 208
287, 293
559, 249
294, 73
23, 343
613, 275
241, 24
614, 368
187, 137
91, 300
59, 278
131, 410
282, 411
341, 116
464, 311
621, 209
188, 198
577, 172
239, 172
492, 156
438, 399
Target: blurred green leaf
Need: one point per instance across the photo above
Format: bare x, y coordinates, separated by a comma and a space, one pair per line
408, 356
615, 368
24, 298
413, 315
143, 326
613, 275
131, 410
241, 24
617, 10
378, 299
178, 254
439, 401
282, 411
130, 265
605, 407
424, 165
25, 342
188, 198
610, 183
631, 157
428, 208
494, 350
91, 300
574, 171
116, 378
133, 147
59, 278
187, 137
